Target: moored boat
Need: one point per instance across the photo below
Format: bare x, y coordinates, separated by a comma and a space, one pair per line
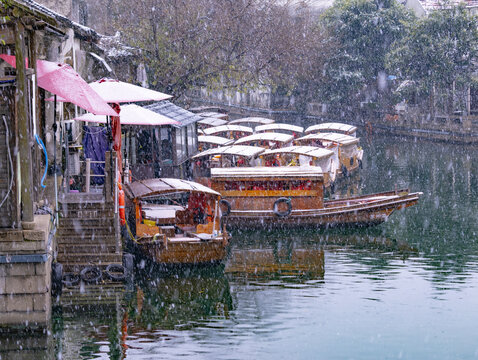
332, 127
175, 222
229, 131
261, 197
349, 153
267, 140
280, 127
322, 160
206, 142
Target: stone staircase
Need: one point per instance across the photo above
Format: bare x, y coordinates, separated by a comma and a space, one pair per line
88, 233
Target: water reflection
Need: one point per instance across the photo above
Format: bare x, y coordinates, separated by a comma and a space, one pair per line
402, 289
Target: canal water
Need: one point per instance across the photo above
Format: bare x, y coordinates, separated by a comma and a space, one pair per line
406, 289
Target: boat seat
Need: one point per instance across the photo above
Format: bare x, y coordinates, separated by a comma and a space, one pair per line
168, 231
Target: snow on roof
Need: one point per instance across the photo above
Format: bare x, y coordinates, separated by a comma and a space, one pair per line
151, 187
332, 126
217, 140
252, 120
283, 138
335, 137
213, 114
310, 172
279, 126
222, 128
238, 150
312, 151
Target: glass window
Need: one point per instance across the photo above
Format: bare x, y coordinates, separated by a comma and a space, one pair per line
166, 145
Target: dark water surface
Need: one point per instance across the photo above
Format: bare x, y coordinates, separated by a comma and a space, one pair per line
406, 289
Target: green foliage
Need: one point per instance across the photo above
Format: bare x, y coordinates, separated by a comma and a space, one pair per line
438, 50
362, 31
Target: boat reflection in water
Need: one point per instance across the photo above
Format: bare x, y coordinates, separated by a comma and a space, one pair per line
179, 302
276, 261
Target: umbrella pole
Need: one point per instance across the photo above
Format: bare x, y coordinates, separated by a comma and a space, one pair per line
54, 160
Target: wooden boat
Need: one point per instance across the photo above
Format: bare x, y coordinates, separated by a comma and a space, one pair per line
175, 222
229, 131
261, 197
206, 142
267, 140
213, 114
280, 127
349, 153
322, 160
332, 127
208, 122
252, 121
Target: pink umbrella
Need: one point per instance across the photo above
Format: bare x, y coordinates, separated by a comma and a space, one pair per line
132, 115
62, 80
11, 59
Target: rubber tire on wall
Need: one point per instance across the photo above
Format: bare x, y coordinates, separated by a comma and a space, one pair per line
282, 213
228, 206
70, 279
112, 268
96, 272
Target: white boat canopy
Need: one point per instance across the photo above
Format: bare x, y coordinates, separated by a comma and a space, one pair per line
213, 114
252, 120
341, 139
216, 140
224, 128
332, 126
280, 126
267, 172
267, 136
152, 187
238, 150
311, 151
212, 121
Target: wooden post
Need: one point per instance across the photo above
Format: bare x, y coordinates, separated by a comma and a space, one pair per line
23, 133
88, 172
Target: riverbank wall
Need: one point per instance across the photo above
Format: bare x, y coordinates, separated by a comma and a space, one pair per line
412, 122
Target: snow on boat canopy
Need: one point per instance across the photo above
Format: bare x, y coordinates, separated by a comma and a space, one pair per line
151, 187
213, 114
331, 127
267, 136
211, 122
227, 128
214, 140
267, 172
238, 150
311, 151
279, 127
252, 120
341, 139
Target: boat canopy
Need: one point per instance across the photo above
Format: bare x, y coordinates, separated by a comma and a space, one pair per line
238, 150
332, 126
216, 140
341, 139
252, 120
212, 121
151, 187
213, 114
267, 172
280, 126
267, 136
224, 128
311, 151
